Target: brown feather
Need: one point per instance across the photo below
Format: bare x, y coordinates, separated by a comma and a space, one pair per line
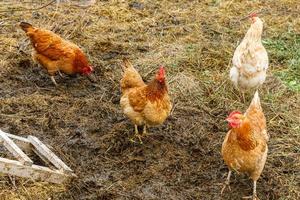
156, 90
244, 136
245, 148
55, 53
143, 104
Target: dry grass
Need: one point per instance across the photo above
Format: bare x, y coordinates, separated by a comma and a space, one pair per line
195, 40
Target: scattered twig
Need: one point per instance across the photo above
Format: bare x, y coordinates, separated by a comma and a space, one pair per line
259, 12
30, 9
13, 181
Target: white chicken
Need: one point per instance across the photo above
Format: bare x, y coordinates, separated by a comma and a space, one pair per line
250, 60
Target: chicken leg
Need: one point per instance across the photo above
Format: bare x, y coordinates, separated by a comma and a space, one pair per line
145, 130
53, 80
48, 64
227, 182
60, 74
254, 196
243, 97
136, 135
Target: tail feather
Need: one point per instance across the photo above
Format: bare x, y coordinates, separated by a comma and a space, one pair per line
255, 103
256, 99
126, 64
131, 78
25, 26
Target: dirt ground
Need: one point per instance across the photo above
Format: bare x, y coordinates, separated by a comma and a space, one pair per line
181, 159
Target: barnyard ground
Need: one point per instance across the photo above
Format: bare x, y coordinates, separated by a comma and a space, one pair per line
181, 159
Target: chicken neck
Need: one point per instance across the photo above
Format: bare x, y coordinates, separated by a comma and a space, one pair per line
245, 137
156, 90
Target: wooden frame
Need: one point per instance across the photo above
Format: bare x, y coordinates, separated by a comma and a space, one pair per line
24, 166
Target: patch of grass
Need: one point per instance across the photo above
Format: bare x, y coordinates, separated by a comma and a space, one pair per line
285, 50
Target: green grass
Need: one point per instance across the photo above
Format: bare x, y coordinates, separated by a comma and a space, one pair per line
286, 51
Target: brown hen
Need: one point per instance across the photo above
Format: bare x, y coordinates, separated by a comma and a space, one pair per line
245, 146
145, 105
56, 54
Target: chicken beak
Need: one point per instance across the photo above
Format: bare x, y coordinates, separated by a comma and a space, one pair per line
229, 120
92, 77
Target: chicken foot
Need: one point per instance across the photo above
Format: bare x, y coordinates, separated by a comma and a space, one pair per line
227, 182
136, 135
254, 196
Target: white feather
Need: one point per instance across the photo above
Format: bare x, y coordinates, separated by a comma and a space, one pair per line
234, 76
250, 60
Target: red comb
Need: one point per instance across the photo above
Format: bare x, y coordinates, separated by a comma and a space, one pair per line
162, 70
253, 15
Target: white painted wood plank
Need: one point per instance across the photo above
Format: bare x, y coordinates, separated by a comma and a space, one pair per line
14, 149
46, 161
21, 142
15, 137
47, 153
33, 172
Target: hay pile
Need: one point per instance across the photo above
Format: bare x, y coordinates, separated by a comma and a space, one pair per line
195, 40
